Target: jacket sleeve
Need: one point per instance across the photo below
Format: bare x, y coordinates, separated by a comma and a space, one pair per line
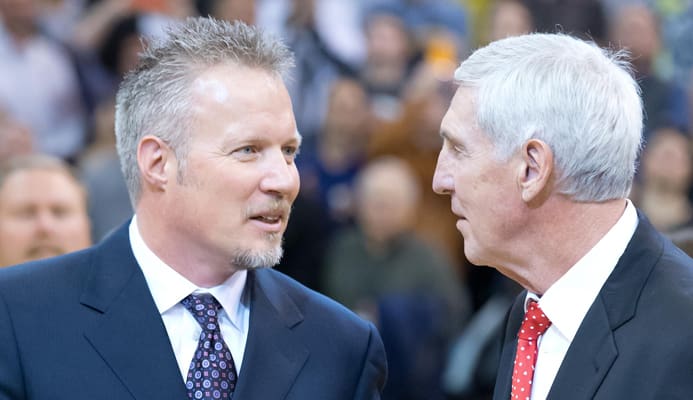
374, 369
11, 377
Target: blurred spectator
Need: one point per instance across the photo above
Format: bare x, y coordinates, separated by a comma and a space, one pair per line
666, 172
305, 241
39, 85
229, 10
510, 18
470, 373
15, 138
381, 270
327, 174
57, 17
118, 53
582, 18
43, 210
309, 27
336, 22
389, 61
99, 169
636, 29
110, 33
414, 137
100, 17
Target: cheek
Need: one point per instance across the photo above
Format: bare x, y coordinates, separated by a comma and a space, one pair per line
296, 184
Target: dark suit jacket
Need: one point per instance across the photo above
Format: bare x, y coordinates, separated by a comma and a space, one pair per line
636, 341
84, 326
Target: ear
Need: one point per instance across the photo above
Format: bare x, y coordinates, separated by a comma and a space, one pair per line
153, 156
536, 170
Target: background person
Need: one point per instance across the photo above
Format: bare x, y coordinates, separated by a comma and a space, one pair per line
43, 210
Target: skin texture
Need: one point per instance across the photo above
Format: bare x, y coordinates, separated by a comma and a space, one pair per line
511, 213
483, 191
205, 221
42, 213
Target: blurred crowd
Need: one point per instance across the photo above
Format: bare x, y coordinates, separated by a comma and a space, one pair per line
370, 87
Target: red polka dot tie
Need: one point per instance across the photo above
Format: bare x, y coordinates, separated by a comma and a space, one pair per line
534, 325
212, 373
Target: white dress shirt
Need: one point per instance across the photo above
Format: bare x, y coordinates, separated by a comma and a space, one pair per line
168, 288
567, 301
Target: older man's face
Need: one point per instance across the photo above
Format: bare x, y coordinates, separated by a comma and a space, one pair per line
43, 213
484, 191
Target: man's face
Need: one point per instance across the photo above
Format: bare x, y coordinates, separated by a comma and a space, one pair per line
42, 214
483, 191
234, 195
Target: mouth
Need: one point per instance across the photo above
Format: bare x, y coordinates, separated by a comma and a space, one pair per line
267, 219
271, 221
457, 214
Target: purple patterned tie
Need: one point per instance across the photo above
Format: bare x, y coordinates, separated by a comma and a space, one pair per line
212, 373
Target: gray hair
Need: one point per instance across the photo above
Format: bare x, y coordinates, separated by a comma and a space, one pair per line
579, 99
154, 98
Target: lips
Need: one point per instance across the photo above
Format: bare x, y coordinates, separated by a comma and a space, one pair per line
457, 213
270, 219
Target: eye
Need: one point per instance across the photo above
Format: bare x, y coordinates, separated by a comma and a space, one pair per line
60, 211
291, 152
247, 150
24, 213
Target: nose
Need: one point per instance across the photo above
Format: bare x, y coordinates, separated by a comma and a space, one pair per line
442, 180
45, 222
280, 176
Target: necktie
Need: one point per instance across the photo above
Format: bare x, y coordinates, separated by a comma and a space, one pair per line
534, 325
212, 373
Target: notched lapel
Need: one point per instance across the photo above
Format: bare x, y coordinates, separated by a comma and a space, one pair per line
274, 355
594, 349
129, 334
589, 357
507, 358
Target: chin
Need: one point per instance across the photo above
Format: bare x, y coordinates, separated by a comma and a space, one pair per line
257, 258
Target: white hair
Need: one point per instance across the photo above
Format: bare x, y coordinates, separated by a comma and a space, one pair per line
154, 98
579, 99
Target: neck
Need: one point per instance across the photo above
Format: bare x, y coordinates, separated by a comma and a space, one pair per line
560, 235
179, 251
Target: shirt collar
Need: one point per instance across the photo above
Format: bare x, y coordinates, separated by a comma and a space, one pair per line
567, 301
168, 287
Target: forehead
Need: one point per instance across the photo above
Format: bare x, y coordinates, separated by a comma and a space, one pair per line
37, 185
235, 98
461, 115
223, 83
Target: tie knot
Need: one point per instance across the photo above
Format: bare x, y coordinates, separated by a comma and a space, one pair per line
535, 323
205, 308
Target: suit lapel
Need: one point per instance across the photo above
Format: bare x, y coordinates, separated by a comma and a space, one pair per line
130, 335
274, 355
509, 347
594, 349
588, 359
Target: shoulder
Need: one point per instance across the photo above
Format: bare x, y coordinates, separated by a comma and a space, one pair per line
315, 308
40, 277
673, 276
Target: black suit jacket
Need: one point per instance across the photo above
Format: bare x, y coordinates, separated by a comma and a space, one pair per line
636, 341
85, 326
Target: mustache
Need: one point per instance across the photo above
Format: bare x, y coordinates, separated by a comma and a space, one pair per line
277, 207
